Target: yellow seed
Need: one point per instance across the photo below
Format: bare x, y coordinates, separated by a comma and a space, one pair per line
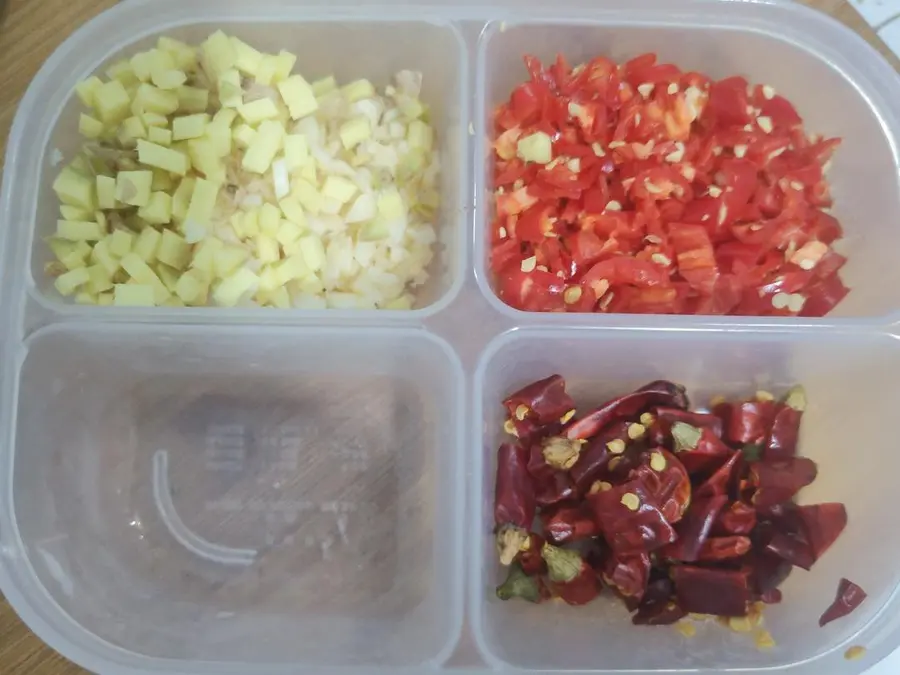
657, 461
717, 400
740, 624
756, 614
636, 430
522, 412
763, 395
686, 628
855, 652
647, 419
572, 295
569, 415
613, 463
764, 640
617, 446
599, 486
631, 501
510, 428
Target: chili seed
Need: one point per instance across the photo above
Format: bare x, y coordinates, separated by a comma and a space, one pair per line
686, 628
636, 431
740, 151
502, 232
673, 88
521, 412
657, 461
653, 239
796, 185
723, 213
764, 640
607, 300
613, 206
763, 395
572, 295
740, 624
616, 144
599, 486
855, 652
647, 419
765, 123
600, 287
617, 446
796, 302
569, 415
645, 90
598, 150
807, 264
780, 300
613, 463
661, 259
631, 501
768, 92
574, 165
542, 268
574, 109
715, 191
529, 264
510, 428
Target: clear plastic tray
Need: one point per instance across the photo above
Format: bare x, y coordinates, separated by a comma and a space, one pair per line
264, 491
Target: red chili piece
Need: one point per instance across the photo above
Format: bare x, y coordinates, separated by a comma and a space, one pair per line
699, 449
668, 482
556, 488
544, 401
628, 574
782, 442
849, 597
695, 528
711, 591
739, 518
777, 482
630, 518
658, 606
721, 481
657, 393
695, 419
565, 523
514, 501
750, 422
571, 578
724, 548
596, 455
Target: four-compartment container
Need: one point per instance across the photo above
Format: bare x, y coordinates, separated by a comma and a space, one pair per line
279, 491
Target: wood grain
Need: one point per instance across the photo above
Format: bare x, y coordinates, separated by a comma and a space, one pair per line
31, 30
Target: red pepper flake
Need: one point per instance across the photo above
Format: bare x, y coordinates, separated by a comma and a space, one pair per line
849, 597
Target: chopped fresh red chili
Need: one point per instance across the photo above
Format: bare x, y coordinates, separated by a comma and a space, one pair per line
639, 188
849, 597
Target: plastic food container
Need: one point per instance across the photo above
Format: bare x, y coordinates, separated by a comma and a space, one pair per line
267, 492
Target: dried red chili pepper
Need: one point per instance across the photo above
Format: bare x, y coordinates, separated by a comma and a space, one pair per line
699, 449
537, 465
520, 585
628, 574
568, 522
514, 501
556, 488
668, 482
657, 393
544, 401
777, 482
695, 419
766, 571
711, 591
594, 458
561, 453
658, 607
849, 597
724, 548
695, 528
720, 482
750, 422
571, 578
630, 518
823, 524
530, 557
739, 518
782, 441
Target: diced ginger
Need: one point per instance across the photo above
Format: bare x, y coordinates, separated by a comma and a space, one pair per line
355, 131
147, 245
269, 219
158, 210
163, 181
79, 230
338, 188
69, 282
227, 259
111, 101
308, 196
296, 151
205, 159
140, 271
192, 99
288, 232
298, 96
182, 198
203, 201
142, 65
218, 53
231, 94
251, 223
292, 210
421, 135
87, 90
192, 287
74, 213
293, 267
267, 249
189, 126
133, 187
265, 74
257, 111
234, 287
265, 146
101, 255
184, 55
133, 295
284, 64
120, 243
313, 251
204, 255
75, 189
174, 251
168, 79
150, 99
390, 204
99, 279
90, 127
243, 135
85, 298
247, 58
357, 90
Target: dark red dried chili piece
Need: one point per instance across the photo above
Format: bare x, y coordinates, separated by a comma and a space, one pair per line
630, 518
711, 591
537, 465
724, 548
767, 572
658, 606
849, 597
772, 597
596, 455
667, 480
699, 449
544, 401
568, 522
657, 393
695, 528
750, 422
823, 524
571, 578
777, 482
695, 419
720, 483
555, 489
628, 574
739, 518
530, 557
514, 501
782, 441
520, 585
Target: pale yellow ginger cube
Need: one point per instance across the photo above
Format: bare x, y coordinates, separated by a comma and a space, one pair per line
355, 131
75, 189
120, 242
74, 213
313, 251
133, 128
233, 288
339, 189
160, 136
168, 79
265, 146
101, 220
204, 255
158, 210
168, 275
193, 287
152, 119
79, 230
99, 279
257, 111
182, 198
189, 126
324, 85
358, 90
101, 255
90, 127
265, 74
106, 192
147, 245
105, 299
298, 96
174, 251
244, 135
203, 202
308, 173
292, 210
184, 55
420, 135
218, 53
63, 247
142, 65
163, 181
284, 64
140, 271
122, 72
227, 259
133, 187
288, 232
85, 298
247, 58
206, 160
250, 223
268, 279
269, 219
231, 94
87, 90
308, 196
151, 99
134, 295
192, 99
173, 301
390, 204
267, 249
69, 282
293, 267
296, 151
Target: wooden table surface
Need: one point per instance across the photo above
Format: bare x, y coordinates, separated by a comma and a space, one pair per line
30, 31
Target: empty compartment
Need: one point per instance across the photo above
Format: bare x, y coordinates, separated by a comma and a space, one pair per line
254, 499
819, 65
852, 387
382, 46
